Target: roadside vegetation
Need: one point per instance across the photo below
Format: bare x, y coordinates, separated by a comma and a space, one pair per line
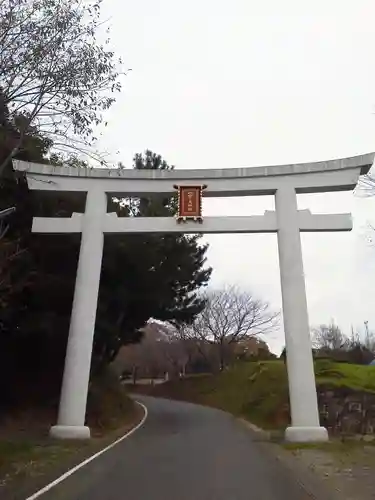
258, 391
28, 458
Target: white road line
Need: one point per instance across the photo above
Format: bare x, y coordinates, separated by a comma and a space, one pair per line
90, 459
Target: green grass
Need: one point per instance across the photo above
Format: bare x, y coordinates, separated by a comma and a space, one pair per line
249, 390
19, 459
355, 377
258, 391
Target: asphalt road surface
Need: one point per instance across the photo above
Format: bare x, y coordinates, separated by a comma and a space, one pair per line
183, 452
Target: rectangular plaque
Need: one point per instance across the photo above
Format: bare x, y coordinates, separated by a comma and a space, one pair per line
190, 202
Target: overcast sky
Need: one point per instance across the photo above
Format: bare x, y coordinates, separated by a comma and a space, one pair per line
220, 84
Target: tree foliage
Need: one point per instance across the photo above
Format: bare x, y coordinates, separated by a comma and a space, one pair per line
56, 80
142, 277
160, 275
54, 72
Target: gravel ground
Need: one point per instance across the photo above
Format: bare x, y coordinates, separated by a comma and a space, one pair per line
348, 471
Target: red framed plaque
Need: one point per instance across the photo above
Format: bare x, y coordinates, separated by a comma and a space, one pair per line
189, 203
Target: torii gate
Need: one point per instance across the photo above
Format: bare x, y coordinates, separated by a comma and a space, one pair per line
284, 182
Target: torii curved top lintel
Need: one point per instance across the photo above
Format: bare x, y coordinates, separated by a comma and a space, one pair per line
331, 175
364, 161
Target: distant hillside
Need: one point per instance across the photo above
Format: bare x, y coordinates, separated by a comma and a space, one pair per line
134, 353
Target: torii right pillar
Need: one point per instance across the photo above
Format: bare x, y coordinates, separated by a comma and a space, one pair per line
305, 424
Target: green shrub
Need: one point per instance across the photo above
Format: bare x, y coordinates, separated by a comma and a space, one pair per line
108, 404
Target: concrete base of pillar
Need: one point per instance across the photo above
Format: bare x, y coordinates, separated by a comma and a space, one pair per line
70, 432
306, 434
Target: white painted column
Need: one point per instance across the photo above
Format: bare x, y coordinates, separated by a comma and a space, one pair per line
302, 390
72, 409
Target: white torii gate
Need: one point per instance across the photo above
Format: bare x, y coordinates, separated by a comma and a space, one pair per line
284, 182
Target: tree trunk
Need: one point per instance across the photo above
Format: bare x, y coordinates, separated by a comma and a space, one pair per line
135, 373
222, 363
221, 356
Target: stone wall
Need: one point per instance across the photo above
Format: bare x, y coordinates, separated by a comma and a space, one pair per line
345, 411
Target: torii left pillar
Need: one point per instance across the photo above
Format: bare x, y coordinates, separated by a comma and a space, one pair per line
72, 409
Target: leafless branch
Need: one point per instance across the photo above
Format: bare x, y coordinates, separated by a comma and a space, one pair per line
328, 337
232, 316
366, 185
52, 69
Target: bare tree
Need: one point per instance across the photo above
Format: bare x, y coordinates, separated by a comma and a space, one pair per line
53, 72
175, 352
366, 184
230, 316
366, 188
188, 350
160, 351
329, 337
146, 358
369, 338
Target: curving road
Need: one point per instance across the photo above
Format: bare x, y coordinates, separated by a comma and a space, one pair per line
183, 452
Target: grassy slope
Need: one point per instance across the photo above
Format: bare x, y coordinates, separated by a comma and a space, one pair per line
259, 391
27, 455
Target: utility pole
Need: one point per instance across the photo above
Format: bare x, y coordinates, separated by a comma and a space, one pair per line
367, 333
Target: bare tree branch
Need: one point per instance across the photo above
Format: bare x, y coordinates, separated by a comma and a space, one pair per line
366, 185
231, 316
53, 70
329, 337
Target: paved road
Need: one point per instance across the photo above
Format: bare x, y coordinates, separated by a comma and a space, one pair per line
183, 452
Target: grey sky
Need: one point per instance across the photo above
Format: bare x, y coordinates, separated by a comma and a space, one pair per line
219, 84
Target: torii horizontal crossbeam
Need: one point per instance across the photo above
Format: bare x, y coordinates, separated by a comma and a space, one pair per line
267, 223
